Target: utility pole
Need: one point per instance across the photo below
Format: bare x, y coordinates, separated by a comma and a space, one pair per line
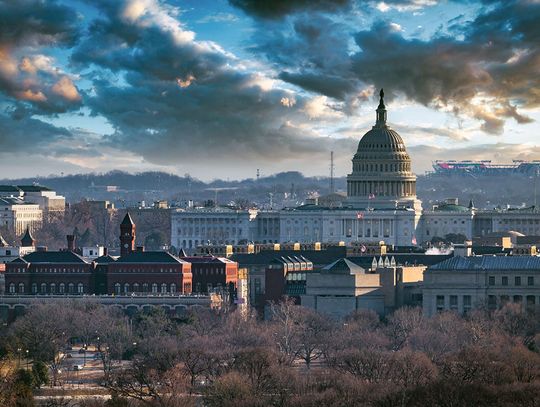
332, 172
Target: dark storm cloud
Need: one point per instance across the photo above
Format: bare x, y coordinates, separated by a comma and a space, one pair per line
180, 99
35, 22
275, 9
487, 69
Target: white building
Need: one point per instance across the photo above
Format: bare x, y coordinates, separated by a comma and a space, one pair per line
17, 215
381, 205
49, 202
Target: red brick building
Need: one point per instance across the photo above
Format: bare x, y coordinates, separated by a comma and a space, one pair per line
67, 272
44, 272
211, 272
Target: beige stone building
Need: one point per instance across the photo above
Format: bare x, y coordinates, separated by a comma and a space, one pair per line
462, 283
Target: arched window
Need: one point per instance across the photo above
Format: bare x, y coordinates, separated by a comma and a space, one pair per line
62, 288
136, 287
21, 288
145, 287
154, 288
163, 288
52, 288
173, 288
80, 288
12, 288
71, 288
43, 288
126, 288
34, 288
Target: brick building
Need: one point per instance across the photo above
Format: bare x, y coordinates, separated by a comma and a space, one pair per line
68, 272
210, 272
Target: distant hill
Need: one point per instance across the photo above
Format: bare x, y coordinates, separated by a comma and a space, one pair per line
282, 189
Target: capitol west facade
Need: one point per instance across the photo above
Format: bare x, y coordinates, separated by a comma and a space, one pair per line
381, 205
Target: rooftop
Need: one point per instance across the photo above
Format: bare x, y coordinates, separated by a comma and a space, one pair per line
66, 257
150, 257
489, 263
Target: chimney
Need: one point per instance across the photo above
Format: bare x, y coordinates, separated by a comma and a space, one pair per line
105, 251
71, 243
140, 248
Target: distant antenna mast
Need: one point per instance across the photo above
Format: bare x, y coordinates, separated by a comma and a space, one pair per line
258, 174
332, 166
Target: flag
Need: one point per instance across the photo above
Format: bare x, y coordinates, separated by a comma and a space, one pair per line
414, 240
371, 196
359, 215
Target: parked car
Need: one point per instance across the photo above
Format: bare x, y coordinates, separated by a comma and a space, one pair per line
78, 367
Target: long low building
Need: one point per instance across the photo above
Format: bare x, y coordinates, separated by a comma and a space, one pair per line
135, 271
463, 283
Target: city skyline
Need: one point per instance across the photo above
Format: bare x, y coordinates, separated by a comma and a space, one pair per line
191, 86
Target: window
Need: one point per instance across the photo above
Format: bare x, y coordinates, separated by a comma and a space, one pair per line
154, 288
12, 288
173, 288
21, 288
71, 288
80, 288
440, 302
530, 300
62, 288
145, 287
126, 288
492, 302
117, 288
136, 287
34, 288
163, 288
504, 280
466, 303
491, 280
530, 280
517, 280
518, 299
453, 303
52, 288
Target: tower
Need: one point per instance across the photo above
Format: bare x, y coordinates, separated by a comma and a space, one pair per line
27, 240
127, 235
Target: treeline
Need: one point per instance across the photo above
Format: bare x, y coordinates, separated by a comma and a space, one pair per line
299, 358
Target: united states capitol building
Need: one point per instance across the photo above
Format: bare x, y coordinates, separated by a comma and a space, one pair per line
381, 205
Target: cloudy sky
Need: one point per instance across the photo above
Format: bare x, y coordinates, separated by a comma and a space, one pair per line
219, 88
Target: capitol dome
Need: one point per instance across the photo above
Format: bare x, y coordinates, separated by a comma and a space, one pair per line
381, 167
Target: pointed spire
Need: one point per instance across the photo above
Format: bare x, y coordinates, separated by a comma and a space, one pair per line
27, 240
127, 220
381, 111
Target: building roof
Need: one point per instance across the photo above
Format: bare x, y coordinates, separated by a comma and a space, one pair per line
27, 240
33, 188
402, 259
11, 200
127, 220
106, 259
60, 257
150, 257
317, 257
9, 188
451, 208
489, 263
343, 266
206, 259
3, 242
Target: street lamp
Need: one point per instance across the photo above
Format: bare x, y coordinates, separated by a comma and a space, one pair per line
84, 354
26, 359
19, 352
